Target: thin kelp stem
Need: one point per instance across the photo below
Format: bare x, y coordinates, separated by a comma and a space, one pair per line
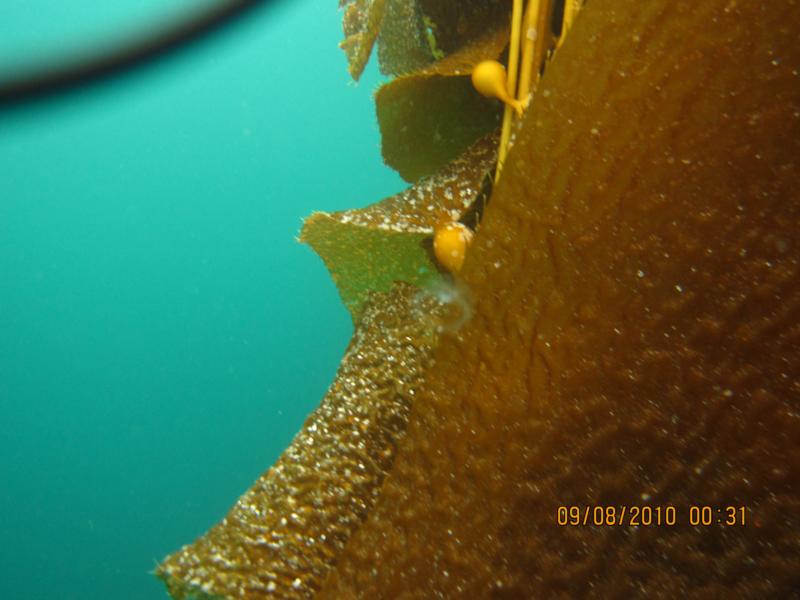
570, 10
513, 66
531, 35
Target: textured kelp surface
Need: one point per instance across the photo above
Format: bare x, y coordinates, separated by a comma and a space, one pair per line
282, 536
368, 249
404, 44
636, 337
634, 341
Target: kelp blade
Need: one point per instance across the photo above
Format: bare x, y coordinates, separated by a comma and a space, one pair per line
368, 249
636, 340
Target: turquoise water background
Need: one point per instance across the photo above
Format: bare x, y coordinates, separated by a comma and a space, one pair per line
162, 334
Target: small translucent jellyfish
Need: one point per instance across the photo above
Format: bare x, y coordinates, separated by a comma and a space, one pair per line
444, 304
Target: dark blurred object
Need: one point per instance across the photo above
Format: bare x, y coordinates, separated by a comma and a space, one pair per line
127, 57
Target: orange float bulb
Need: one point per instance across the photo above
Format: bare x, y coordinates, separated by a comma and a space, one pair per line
450, 242
489, 78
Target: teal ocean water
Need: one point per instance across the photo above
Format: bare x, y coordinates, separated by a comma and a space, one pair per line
162, 334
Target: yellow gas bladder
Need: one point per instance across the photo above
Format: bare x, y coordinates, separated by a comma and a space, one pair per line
489, 78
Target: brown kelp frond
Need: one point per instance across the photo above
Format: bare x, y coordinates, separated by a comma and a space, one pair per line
361, 24
635, 341
404, 43
282, 536
369, 248
624, 333
459, 23
426, 120
430, 117
413, 34
489, 44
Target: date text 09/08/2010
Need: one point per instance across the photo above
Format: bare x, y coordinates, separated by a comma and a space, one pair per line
646, 516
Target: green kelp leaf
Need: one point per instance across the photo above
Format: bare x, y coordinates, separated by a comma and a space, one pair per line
369, 248
430, 117
361, 259
361, 24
